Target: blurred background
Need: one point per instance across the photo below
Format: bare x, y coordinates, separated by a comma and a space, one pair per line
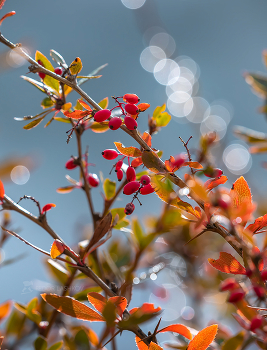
189, 54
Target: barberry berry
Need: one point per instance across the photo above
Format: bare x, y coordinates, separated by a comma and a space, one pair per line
93, 180
210, 172
129, 208
256, 323
118, 165
41, 75
130, 174
131, 109
70, 164
131, 187
102, 115
264, 275
147, 189
115, 123
119, 174
131, 98
259, 291
130, 123
58, 70
228, 284
236, 296
249, 272
110, 154
179, 160
145, 180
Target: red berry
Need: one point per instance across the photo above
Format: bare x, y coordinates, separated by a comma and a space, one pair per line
41, 75
119, 174
130, 174
110, 154
130, 123
147, 189
129, 208
131, 98
93, 180
115, 123
249, 273
236, 296
216, 172
259, 291
131, 109
256, 323
145, 180
118, 165
228, 284
264, 275
102, 115
58, 71
179, 160
224, 201
131, 187
70, 164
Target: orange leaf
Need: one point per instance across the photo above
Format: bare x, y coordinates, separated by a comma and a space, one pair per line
72, 307
120, 303
204, 338
136, 162
143, 106
76, 114
2, 190
212, 183
228, 264
154, 346
5, 309
65, 189
169, 165
47, 207
9, 14
57, 249
128, 151
258, 224
148, 308
85, 105
97, 300
195, 165
177, 328
240, 192
140, 344
147, 138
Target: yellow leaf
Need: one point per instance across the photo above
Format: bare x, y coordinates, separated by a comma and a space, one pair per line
56, 249
128, 151
49, 81
76, 66
204, 338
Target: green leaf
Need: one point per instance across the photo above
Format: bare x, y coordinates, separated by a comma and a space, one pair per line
109, 313
49, 81
14, 324
34, 123
119, 211
32, 314
94, 72
163, 119
62, 120
104, 103
78, 106
56, 346
47, 102
109, 188
58, 58
82, 295
249, 135
234, 343
40, 343
122, 223
138, 232
57, 271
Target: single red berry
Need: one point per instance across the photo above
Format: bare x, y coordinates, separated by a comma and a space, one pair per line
118, 165
259, 291
256, 323
131, 98
70, 164
115, 123
210, 172
145, 180
129, 208
228, 284
130, 174
119, 174
93, 180
236, 296
110, 154
131, 109
41, 75
130, 123
264, 275
58, 71
131, 187
179, 160
102, 115
147, 189
249, 272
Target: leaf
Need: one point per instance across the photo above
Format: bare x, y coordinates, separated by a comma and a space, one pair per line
120, 302
136, 162
235, 342
66, 106
128, 151
227, 264
34, 123
76, 114
109, 188
49, 81
82, 295
84, 105
89, 77
97, 300
58, 58
177, 328
163, 119
48, 207
72, 307
102, 228
158, 110
30, 117
140, 315
258, 149
9, 14
94, 72
140, 344
5, 309
99, 128
76, 66
138, 232
56, 346
195, 165
212, 183
47, 102
147, 138
240, 192
57, 249
66, 189
204, 338
249, 135
258, 83
109, 314
153, 162
38, 85
62, 120
40, 343
154, 346
32, 313
58, 271
1, 341
2, 190
258, 224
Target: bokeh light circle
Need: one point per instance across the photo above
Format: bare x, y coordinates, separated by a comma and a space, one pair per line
187, 313
133, 4
164, 41
196, 109
150, 56
166, 71
214, 123
20, 175
237, 159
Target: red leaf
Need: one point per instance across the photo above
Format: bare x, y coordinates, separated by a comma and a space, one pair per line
258, 224
148, 308
47, 207
212, 183
120, 303
97, 300
2, 190
76, 114
147, 138
85, 105
136, 162
9, 14
228, 264
204, 338
177, 328
140, 344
